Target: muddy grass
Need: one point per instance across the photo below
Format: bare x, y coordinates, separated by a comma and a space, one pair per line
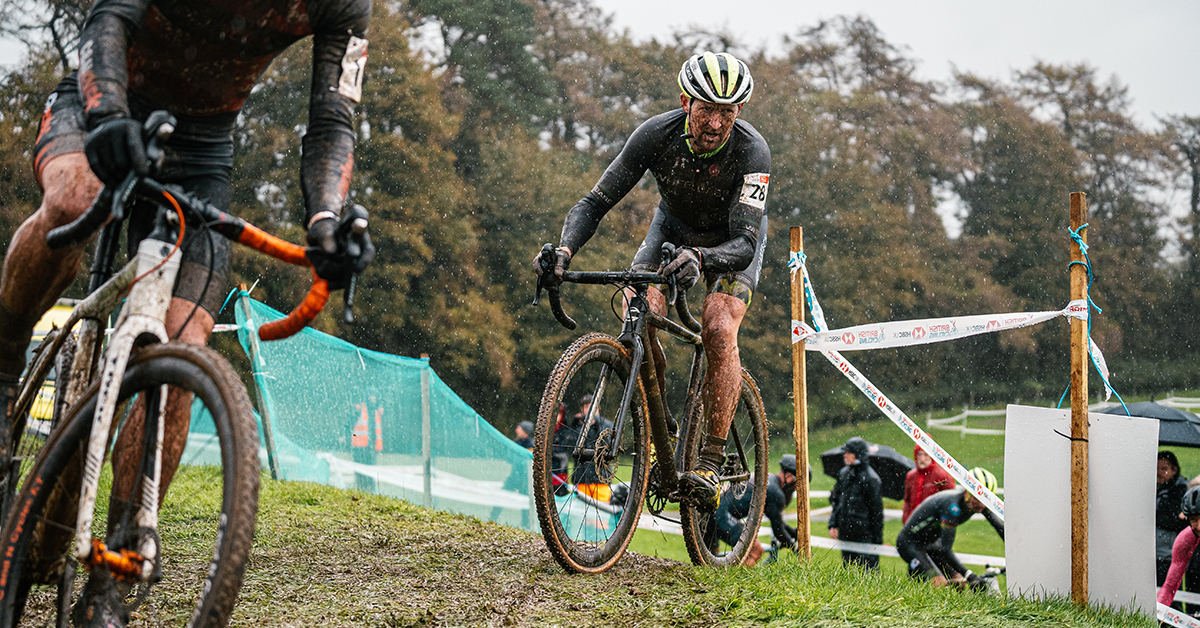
325, 557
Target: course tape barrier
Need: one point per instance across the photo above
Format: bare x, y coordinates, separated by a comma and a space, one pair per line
1187, 597
1168, 615
895, 334
930, 330
889, 409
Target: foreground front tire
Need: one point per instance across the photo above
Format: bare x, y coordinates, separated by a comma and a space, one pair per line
36, 545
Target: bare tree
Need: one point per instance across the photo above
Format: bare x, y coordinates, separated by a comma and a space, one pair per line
1183, 133
40, 22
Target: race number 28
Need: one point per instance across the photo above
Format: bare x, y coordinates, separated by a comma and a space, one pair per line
754, 190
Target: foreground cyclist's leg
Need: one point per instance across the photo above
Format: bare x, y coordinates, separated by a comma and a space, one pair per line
742, 485
33, 275
722, 318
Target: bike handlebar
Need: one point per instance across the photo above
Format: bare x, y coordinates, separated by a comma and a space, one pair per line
109, 203
619, 278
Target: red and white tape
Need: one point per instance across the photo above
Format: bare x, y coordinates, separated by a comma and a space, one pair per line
890, 410
929, 330
1168, 615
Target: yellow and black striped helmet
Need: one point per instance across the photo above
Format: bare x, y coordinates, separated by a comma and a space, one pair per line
716, 77
985, 478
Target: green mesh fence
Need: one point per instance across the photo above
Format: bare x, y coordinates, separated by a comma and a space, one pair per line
358, 419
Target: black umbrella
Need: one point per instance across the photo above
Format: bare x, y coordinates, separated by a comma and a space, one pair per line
890, 465
1176, 427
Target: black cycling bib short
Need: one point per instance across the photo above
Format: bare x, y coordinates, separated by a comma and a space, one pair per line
715, 202
926, 542
200, 60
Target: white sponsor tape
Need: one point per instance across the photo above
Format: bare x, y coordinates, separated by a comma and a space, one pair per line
889, 409
926, 330
1173, 617
800, 331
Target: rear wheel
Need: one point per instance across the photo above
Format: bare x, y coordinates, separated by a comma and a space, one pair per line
743, 483
588, 509
37, 540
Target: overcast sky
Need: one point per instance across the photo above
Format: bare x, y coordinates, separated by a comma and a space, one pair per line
1152, 46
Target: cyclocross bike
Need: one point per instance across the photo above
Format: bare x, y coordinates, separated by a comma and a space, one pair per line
644, 450
48, 531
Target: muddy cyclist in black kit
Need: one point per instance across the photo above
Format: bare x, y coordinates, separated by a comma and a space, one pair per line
198, 60
926, 542
712, 171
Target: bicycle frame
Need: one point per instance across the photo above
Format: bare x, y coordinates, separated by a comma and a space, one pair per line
639, 317
148, 282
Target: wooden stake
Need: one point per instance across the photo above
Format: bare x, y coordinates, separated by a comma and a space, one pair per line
800, 395
1079, 413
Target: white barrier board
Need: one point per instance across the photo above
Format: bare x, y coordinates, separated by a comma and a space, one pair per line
1037, 498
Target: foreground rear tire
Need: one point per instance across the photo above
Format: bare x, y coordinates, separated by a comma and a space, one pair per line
36, 544
585, 532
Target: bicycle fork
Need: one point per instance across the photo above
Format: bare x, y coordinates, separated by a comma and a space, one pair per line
143, 315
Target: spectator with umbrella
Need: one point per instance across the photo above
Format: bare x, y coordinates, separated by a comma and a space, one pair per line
890, 465
857, 503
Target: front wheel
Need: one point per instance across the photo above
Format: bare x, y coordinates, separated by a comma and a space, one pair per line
725, 538
214, 538
588, 503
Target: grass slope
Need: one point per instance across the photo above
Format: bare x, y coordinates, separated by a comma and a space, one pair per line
325, 557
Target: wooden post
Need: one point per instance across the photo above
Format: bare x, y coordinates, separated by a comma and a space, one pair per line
800, 397
257, 368
1079, 413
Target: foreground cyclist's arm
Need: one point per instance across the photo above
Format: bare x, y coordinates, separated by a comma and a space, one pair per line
339, 59
746, 216
996, 522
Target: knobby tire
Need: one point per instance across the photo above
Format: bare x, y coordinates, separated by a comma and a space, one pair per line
582, 536
699, 528
37, 538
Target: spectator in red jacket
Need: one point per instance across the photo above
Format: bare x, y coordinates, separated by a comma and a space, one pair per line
927, 479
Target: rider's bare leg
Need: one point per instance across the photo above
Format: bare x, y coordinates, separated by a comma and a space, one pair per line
755, 555
723, 315
34, 276
127, 450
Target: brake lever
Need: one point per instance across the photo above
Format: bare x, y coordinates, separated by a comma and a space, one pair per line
348, 300
157, 128
668, 255
547, 249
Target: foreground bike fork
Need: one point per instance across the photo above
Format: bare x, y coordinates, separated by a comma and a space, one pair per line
143, 315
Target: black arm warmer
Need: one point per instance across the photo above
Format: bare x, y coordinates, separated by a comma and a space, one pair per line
104, 43
731, 256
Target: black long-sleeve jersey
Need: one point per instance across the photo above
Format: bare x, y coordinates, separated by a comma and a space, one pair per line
201, 59
935, 522
723, 194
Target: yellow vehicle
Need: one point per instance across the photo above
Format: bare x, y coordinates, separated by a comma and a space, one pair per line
43, 406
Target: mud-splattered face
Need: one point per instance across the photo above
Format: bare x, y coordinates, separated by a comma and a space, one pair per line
710, 124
